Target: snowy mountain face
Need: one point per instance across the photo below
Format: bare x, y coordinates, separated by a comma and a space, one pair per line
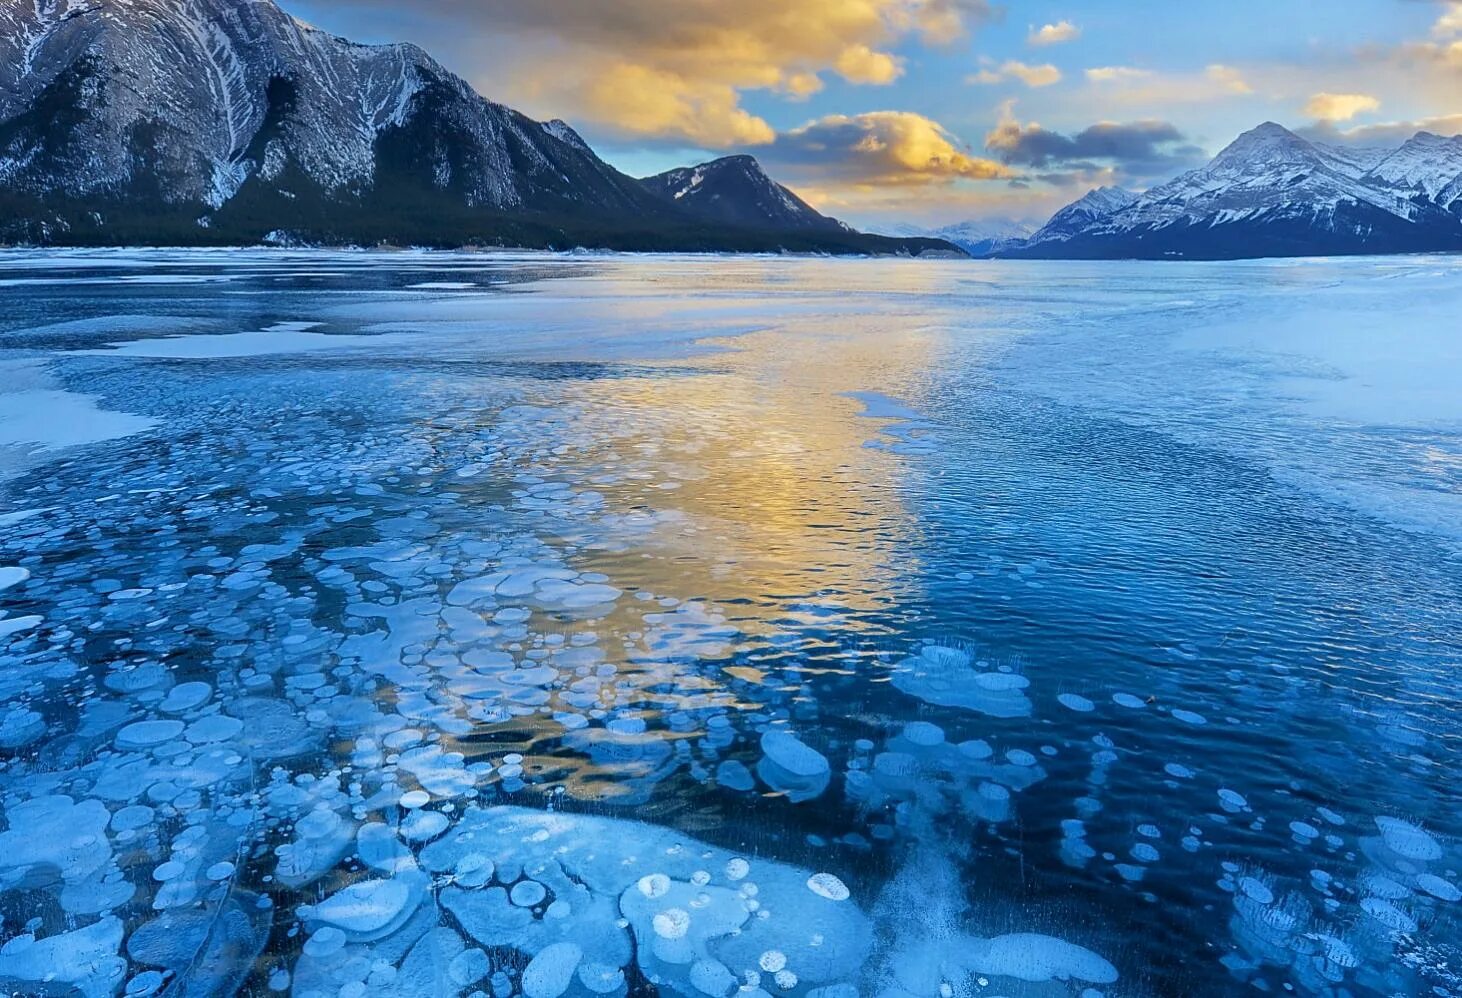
1091, 208
180, 121
735, 190
977, 237
1272, 193
1427, 165
189, 99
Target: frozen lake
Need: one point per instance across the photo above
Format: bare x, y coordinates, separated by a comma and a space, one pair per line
430, 624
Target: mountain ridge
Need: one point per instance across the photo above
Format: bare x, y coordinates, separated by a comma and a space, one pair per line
1271, 192
215, 122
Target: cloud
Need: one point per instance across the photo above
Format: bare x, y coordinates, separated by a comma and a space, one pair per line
1386, 133
1450, 23
860, 64
1053, 34
1227, 78
1136, 149
670, 69
1339, 107
1032, 76
1132, 85
878, 149
1109, 74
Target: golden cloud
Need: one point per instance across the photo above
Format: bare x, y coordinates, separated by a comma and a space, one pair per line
1053, 34
860, 64
878, 149
1032, 76
1339, 107
676, 69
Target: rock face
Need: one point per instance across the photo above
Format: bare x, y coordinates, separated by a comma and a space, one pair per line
1273, 193
735, 190
213, 121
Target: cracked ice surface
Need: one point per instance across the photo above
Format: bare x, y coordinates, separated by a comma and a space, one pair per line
453, 625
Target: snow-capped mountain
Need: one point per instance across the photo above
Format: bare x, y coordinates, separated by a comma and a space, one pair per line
1085, 211
1273, 193
735, 190
189, 121
1426, 165
977, 237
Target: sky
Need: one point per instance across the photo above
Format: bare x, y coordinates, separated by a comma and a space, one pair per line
934, 112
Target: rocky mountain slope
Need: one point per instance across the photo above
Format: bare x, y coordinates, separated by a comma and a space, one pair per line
735, 190
197, 121
1273, 193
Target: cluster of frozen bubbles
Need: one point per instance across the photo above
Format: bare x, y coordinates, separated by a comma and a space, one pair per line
255, 750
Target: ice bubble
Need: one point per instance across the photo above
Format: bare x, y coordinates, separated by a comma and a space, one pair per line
737, 869
672, 923
1407, 840
86, 958
772, 961
219, 871
601, 978
325, 941
527, 893
1258, 890
1303, 830
790, 765
1189, 717
1038, 958
946, 677
1080, 704
14, 625
1388, 914
413, 799
367, 909
423, 826
710, 977
473, 870
1128, 700
828, 886
1231, 800
733, 775
12, 576
1438, 888
469, 967
213, 728
1330, 816
923, 733
550, 973
655, 885
146, 734
185, 697
1178, 771
1144, 853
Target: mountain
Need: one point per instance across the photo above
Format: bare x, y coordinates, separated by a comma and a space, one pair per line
735, 190
978, 237
1426, 166
1087, 210
1273, 193
220, 121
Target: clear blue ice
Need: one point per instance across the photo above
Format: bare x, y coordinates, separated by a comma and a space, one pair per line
408, 624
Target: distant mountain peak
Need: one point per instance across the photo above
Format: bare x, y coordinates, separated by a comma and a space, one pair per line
736, 190
1271, 192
